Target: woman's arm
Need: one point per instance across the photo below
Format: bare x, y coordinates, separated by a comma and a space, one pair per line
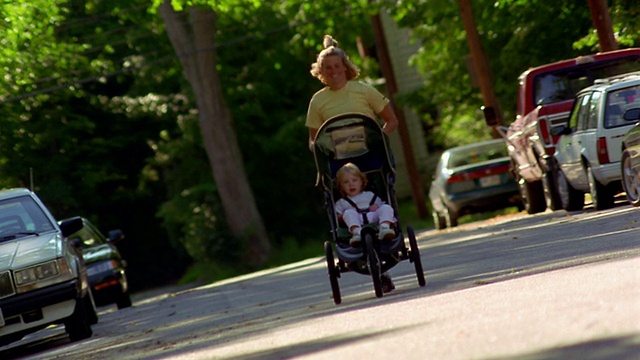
389, 118
312, 136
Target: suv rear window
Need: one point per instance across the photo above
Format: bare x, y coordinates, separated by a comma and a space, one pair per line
619, 101
565, 83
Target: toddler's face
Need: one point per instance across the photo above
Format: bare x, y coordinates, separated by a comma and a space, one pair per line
351, 184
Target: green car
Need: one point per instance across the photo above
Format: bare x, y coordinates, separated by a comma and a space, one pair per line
105, 266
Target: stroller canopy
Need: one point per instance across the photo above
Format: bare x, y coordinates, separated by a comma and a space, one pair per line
354, 138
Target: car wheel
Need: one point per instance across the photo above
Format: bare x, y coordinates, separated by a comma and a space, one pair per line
438, 220
630, 179
78, 325
124, 301
570, 198
532, 194
601, 195
90, 305
450, 218
551, 196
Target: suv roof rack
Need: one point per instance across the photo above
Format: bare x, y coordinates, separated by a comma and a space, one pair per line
617, 78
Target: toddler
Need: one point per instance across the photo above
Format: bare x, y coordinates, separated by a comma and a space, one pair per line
358, 207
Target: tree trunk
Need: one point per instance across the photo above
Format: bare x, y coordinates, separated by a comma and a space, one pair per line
193, 40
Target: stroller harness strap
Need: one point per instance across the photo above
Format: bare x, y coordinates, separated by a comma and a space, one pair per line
362, 211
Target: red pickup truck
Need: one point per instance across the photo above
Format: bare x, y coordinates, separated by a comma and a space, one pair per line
545, 98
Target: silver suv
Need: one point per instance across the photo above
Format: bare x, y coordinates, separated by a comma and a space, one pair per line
43, 279
588, 152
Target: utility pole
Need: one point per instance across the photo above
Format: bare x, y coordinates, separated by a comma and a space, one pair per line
480, 63
602, 23
392, 88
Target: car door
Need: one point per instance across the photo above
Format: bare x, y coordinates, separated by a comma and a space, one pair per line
569, 148
585, 140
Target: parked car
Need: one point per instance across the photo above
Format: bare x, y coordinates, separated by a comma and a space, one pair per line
471, 179
588, 152
43, 279
630, 163
105, 266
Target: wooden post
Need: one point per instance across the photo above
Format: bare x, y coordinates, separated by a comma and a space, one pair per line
480, 63
602, 23
392, 88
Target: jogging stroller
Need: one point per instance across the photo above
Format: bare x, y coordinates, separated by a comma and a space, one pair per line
359, 139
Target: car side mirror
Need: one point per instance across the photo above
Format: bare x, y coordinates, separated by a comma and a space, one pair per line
115, 235
632, 114
71, 226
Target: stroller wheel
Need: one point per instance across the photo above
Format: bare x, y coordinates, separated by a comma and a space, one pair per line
374, 264
415, 256
333, 273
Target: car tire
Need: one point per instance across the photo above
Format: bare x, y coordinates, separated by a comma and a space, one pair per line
551, 196
601, 195
450, 218
532, 194
124, 301
90, 305
78, 325
570, 198
630, 179
438, 220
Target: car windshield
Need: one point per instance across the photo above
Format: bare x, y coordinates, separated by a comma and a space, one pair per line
89, 235
479, 153
563, 84
21, 216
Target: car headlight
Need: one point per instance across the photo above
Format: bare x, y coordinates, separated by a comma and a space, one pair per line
36, 273
42, 273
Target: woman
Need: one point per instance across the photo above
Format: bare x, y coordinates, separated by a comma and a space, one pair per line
343, 93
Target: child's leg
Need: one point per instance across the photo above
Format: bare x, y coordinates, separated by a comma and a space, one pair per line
385, 215
385, 218
352, 219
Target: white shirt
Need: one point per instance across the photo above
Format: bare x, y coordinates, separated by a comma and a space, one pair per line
362, 200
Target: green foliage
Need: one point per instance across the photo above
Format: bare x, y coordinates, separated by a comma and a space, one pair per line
516, 35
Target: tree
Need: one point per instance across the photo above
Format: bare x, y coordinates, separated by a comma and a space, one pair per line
193, 38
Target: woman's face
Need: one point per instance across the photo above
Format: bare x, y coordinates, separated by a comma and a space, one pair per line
351, 184
334, 72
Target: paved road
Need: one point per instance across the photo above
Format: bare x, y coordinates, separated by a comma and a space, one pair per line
550, 286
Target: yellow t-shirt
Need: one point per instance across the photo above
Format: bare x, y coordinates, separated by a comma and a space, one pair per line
354, 97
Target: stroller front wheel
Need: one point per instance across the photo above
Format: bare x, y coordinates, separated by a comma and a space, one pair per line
333, 273
373, 263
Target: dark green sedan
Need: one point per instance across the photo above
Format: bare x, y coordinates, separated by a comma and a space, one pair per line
105, 266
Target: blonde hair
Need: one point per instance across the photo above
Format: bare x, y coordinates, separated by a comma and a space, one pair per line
331, 49
352, 169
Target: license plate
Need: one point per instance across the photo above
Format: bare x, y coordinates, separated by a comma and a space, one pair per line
492, 180
1, 318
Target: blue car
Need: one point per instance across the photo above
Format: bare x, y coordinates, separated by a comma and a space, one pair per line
472, 179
